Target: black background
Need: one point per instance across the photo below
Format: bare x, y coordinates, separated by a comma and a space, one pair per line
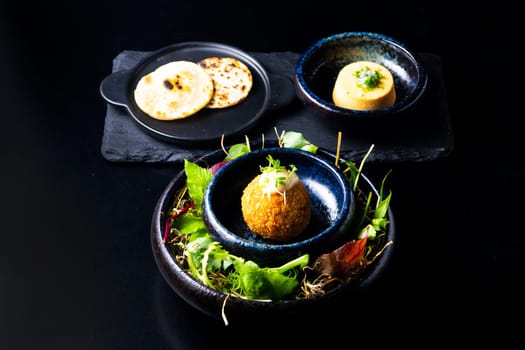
76, 266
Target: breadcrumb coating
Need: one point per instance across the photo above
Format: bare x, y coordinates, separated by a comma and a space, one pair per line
278, 216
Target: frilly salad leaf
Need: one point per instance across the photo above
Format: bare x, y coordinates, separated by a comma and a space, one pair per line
236, 151
269, 283
293, 139
197, 178
191, 223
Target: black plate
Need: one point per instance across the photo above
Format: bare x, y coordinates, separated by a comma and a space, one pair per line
207, 125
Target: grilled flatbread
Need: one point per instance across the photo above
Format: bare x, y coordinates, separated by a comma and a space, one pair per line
232, 80
174, 90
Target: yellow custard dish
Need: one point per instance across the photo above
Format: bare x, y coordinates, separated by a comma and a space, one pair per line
364, 85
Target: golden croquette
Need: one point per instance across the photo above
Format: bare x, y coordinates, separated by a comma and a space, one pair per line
281, 216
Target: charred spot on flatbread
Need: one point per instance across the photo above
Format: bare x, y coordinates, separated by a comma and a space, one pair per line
174, 90
232, 80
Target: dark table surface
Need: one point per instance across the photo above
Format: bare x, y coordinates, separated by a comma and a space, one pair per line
76, 265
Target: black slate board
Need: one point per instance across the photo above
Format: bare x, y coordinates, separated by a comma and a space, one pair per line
428, 135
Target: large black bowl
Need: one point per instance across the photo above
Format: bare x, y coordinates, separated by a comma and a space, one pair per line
210, 302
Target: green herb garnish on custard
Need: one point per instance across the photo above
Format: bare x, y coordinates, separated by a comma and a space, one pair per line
368, 79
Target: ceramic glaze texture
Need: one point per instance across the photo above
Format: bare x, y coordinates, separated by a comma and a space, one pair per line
331, 199
318, 67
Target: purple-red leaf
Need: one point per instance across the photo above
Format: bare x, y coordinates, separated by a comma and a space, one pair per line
170, 219
215, 167
341, 260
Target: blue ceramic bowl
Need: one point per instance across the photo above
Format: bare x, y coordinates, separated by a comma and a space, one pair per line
332, 207
317, 69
